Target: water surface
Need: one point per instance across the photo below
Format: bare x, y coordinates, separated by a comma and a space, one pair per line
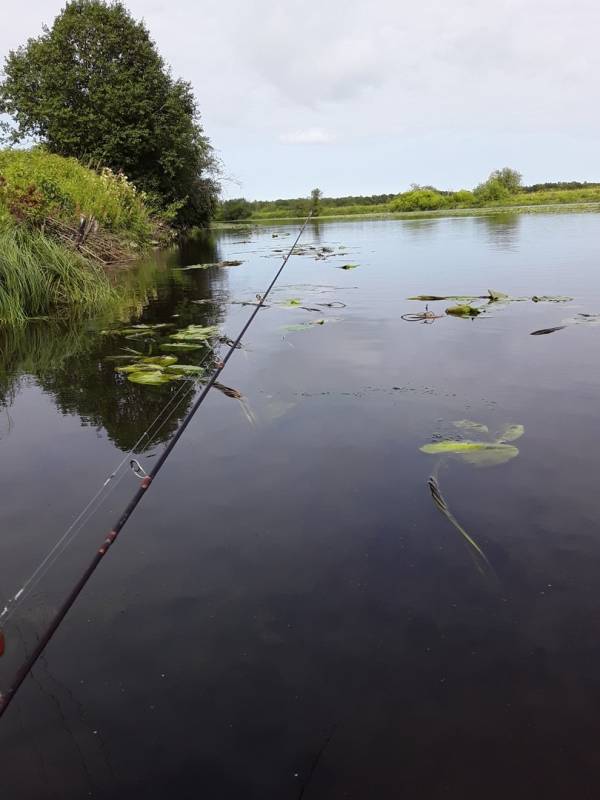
287, 613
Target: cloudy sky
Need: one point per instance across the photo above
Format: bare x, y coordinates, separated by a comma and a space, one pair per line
369, 96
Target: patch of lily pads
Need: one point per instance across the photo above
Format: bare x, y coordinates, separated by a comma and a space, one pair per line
157, 370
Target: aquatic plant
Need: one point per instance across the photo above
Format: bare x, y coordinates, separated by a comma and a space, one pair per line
463, 311
479, 453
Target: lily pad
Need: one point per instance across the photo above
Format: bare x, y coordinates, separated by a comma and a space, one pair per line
150, 377
463, 311
469, 425
349, 266
184, 369
293, 301
510, 433
544, 298
177, 346
480, 454
138, 367
160, 361
195, 333
460, 298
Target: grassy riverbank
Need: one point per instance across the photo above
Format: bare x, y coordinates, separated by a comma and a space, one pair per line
61, 223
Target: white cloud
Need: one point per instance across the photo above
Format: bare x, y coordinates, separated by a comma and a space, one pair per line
308, 136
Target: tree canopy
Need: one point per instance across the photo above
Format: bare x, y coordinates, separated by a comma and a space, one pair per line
94, 86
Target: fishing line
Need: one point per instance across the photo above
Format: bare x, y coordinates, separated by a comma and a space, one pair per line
96, 502
111, 537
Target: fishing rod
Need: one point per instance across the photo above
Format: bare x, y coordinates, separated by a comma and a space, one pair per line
30, 661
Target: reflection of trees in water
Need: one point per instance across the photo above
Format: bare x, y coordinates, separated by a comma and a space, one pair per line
68, 358
420, 228
501, 231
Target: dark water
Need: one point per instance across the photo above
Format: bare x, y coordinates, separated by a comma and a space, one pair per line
288, 614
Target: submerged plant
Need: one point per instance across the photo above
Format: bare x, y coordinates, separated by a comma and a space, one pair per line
479, 556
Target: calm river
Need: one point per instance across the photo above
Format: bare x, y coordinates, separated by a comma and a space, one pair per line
288, 614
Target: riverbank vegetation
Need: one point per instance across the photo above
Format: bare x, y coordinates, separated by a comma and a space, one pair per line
118, 159
503, 189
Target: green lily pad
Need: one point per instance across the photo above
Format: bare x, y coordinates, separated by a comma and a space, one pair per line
160, 361
138, 367
480, 454
175, 346
195, 333
510, 433
184, 369
469, 425
349, 266
463, 311
150, 377
294, 301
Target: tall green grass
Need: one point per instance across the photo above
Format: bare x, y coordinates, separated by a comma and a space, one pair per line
39, 276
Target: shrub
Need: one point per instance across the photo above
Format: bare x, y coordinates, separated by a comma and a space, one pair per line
233, 210
419, 200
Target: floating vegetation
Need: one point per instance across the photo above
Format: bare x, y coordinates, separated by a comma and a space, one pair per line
459, 298
479, 453
544, 331
550, 299
184, 369
493, 296
463, 311
157, 370
303, 326
197, 333
510, 433
208, 266
293, 301
442, 506
178, 346
349, 266
469, 425
159, 361
150, 377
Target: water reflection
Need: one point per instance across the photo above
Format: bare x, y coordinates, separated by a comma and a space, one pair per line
71, 359
501, 231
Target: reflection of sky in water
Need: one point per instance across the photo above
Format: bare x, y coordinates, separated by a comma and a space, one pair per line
293, 578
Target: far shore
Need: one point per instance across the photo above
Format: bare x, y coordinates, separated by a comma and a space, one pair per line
551, 208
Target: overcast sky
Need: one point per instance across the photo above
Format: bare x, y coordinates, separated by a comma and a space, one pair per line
369, 96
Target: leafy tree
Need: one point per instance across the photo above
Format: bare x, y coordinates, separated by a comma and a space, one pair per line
491, 190
232, 210
93, 86
315, 202
509, 178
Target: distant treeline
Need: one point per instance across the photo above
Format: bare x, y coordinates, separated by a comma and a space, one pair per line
502, 188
